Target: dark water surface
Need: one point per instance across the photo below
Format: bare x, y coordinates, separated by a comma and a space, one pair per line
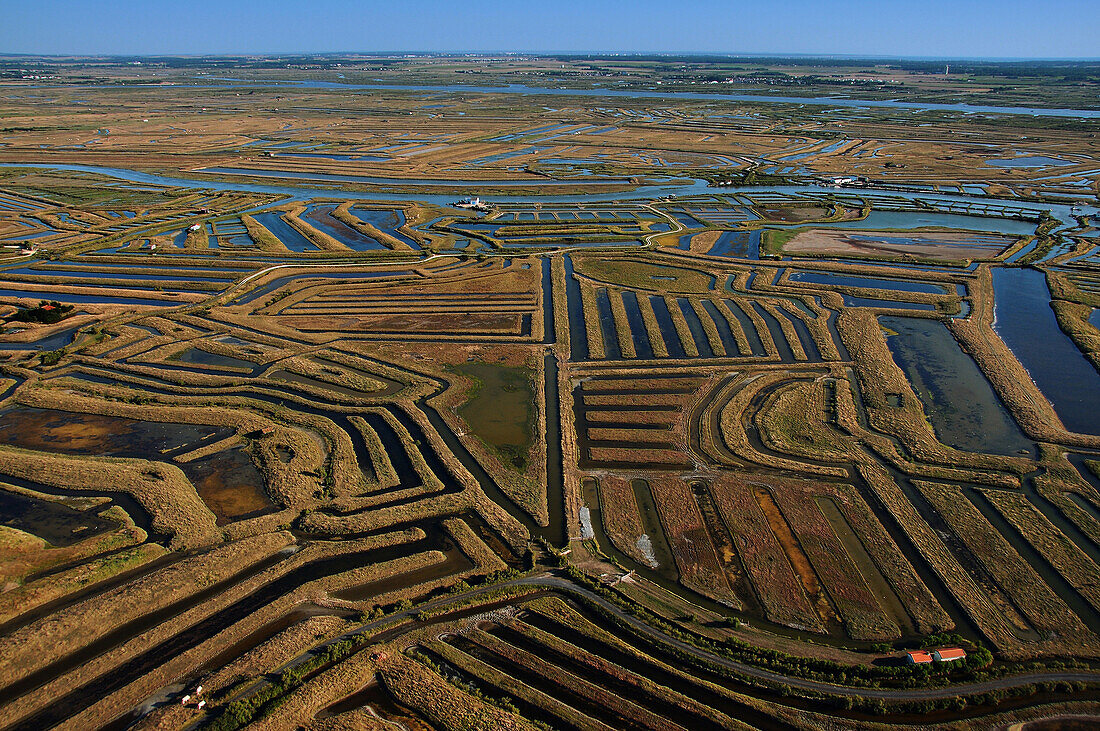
1025, 321
958, 399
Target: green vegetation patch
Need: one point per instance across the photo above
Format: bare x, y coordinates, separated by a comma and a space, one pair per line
773, 240
500, 409
642, 275
47, 313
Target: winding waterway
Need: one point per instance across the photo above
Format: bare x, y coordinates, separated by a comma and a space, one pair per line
672, 186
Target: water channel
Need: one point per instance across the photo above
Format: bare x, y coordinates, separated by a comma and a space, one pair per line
1025, 321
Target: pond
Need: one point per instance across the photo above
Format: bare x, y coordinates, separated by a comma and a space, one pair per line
230, 485
198, 356
700, 96
847, 280
1025, 321
54, 522
96, 298
638, 334
879, 220
31, 236
685, 220
227, 480
322, 218
965, 411
578, 339
172, 278
850, 301
230, 270
740, 244
1031, 161
51, 342
501, 408
281, 281
290, 236
67, 432
385, 220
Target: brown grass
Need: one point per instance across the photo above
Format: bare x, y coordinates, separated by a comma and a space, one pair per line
778, 588
441, 703
619, 512
35, 645
1064, 555
1018, 589
691, 546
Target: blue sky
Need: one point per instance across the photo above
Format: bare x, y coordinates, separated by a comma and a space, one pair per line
956, 28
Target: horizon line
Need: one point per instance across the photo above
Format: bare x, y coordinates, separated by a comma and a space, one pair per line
607, 54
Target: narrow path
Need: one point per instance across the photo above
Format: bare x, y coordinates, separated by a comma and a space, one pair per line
949, 691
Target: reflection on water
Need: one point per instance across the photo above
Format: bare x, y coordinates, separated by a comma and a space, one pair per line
1025, 321
230, 485
501, 409
962, 406
67, 432
321, 217
879, 220
227, 480
53, 522
847, 280
205, 357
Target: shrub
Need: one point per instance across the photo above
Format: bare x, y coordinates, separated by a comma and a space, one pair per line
52, 357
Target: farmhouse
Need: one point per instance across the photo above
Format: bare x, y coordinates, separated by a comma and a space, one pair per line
944, 654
